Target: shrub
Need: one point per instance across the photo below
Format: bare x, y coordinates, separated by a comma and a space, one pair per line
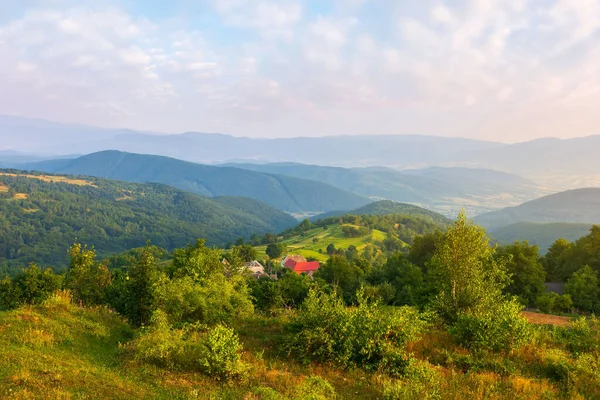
213, 351
221, 354
421, 381
369, 335
217, 300
583, 335
500, 329
315, 388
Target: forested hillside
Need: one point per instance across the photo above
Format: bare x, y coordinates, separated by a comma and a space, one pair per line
282, 192
41, 215
387, 207
574, 206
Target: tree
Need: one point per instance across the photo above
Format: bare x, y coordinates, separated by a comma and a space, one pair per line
275, 250
554, 260
466, 276
142, 277
583, 289
331, 249
407, 280
527, 273
245, 252
87, 278
197, 261
343, 274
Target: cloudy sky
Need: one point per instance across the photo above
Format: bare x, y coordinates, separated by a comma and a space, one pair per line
502, 70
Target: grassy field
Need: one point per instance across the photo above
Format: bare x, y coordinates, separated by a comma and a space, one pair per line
51, 178
309, 244
546, 319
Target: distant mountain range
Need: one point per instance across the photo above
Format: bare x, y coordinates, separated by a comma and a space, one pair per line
442, 189
542, 157
38, 136
572, 206
39, 218
285, 193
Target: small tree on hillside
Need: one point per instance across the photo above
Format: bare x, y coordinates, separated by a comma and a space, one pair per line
583, 288
467, 277
275, 250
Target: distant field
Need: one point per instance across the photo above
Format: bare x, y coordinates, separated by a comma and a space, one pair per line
545, 319
3, 189
20, 196
317, 239
50, 178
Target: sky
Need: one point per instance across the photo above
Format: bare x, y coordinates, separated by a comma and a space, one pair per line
508, 70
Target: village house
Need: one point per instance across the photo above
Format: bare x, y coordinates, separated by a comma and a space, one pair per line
299, 265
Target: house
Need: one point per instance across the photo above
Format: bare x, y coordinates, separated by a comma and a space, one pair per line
254, 267
299, 265
291, 260
306, 267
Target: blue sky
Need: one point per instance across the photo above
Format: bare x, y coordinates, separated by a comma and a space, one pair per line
502, 70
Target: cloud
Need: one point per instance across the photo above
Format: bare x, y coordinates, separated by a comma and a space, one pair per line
494, 69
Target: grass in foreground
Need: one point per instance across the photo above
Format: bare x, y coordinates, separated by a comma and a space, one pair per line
61, 351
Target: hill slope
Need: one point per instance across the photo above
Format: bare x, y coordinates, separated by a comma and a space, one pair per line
542, 235
436, 187
40, 216
285, 193
576, 206
387, 207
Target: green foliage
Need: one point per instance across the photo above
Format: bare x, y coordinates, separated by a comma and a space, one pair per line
217, 300
555, 258
343, 274
196, 261
369, 335
136, 298
30, 286
214, 351
221, 356
526, 271
467, 277
275, 250
583, 335
554, 303
501, 328
315, 388
87, 278
421, 381
583, 289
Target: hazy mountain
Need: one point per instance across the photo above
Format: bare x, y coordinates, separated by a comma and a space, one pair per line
444, 189
40, 219
542, 156
387, 207
575, 206
37, 136
285, 193
542, 235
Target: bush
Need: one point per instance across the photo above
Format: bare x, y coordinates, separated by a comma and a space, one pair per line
217, 300
212, 351
500, 329
583, 335
315, 388
221, 356
422, 381
369, 335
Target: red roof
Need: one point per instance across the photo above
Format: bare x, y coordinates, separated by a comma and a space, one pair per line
291, 261
302, 267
